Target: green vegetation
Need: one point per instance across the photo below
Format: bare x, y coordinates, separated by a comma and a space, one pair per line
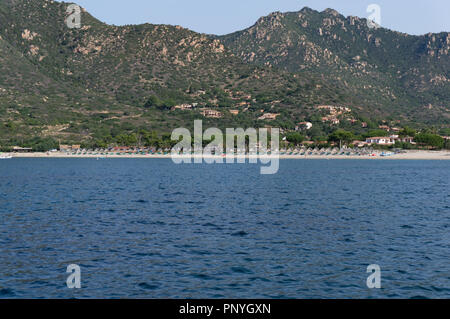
407, 131
105, 85
374, 133
391, 75
295, 138
342, 137
432, 140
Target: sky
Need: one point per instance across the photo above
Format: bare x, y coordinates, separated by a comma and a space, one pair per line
227, 16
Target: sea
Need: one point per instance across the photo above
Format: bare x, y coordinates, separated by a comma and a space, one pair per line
149, 228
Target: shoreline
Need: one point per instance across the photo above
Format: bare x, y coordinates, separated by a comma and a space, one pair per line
409, 155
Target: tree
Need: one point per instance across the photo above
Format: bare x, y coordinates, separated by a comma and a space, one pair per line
126, 140
341, 136
167, 104
42, 144
100, 144
295, 138
429, 139
153, 101
447, 144
407, 131
445, 131
153, 140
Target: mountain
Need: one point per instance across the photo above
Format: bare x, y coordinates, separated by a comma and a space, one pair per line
95, 81
99, 83
392, 74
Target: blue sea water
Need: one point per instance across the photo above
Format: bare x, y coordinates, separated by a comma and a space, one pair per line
143, 228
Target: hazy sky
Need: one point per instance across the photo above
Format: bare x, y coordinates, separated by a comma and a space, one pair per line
226, 16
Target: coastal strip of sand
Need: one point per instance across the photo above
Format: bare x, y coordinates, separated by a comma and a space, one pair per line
407, 155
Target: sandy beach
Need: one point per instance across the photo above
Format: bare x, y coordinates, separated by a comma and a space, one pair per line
408, 155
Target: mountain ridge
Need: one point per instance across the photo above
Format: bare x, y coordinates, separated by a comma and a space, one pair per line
100, 81
328, 42
108, 73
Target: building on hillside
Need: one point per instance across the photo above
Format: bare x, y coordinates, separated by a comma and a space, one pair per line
269, 116
406, 139
325, 107
383, 140
335, 121
304, 126
211, 113
183, 107
234, 112
359, 143
335, 110
332, 119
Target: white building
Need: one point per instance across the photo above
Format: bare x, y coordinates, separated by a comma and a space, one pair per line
380, 140
304, 126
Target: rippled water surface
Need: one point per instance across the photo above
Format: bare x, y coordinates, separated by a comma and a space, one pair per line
153, 229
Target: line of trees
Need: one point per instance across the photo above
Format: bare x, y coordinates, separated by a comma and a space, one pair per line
424, 139
156, 102
431, 140
144, 138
